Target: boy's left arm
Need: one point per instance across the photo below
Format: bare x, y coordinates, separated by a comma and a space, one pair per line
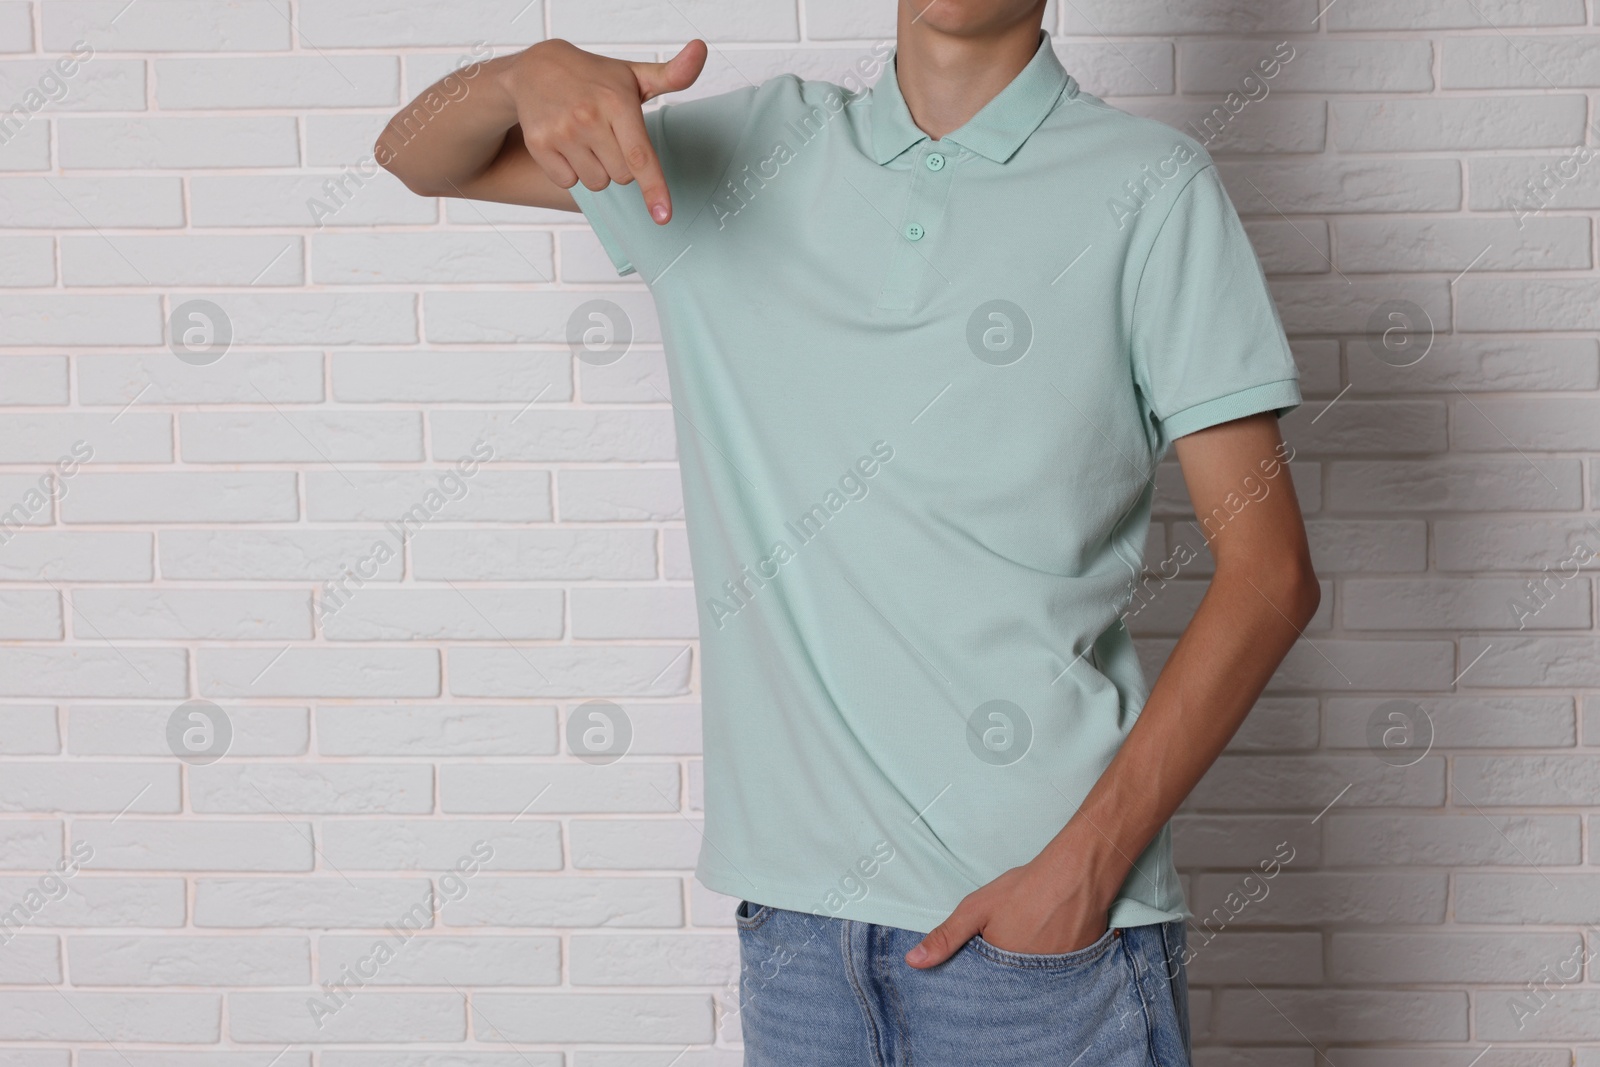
1261, 597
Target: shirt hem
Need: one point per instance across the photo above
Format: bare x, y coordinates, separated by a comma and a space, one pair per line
1280, 397
1125, 912
590, 206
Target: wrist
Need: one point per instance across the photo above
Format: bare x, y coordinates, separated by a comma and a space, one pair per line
1086, 859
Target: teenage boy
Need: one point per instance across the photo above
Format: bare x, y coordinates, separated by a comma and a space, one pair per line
926, 345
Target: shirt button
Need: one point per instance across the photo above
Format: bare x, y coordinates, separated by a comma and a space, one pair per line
914, 231
935, 162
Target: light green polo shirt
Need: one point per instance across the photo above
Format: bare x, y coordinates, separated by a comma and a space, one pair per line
921, 388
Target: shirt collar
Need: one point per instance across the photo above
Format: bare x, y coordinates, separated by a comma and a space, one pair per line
996, 131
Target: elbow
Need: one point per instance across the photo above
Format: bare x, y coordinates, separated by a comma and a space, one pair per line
387, 158
1302, 592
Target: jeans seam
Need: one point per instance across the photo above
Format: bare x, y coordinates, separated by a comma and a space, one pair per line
873, 1034
1139, 975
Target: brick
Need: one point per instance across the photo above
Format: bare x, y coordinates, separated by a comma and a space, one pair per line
430, 258
634, 612
1493, 62
569, 671
28, 261
401, 1058
617, 20
132, 730
1308, 897
16, 35
33, 380
300, 437
528, 316
439, 845
30, 614
387, 496
634, 844
1235, 957
96, 84
1370, 65
532, 555
386, 23
1466, 484
82, 203
1332, 305
583, 435
639, 377
183, 260
1488, 603
534, 788
1258, 1015
1455, 14
1562, 1014
1531, 661
1353, 186
28, 844
1309, 783
164, 143
28, 730
1561, 181
137, 960
620, 495
31, 961
1244, 841
1459, 123
1476, 840
1464, 722
276, 82
51, 319
1482, 365
126, 1057
1274, 126
1550, 780
167, 25
1357, 427
134, 437
318, 788
653, 959
447, 376
1534, 898
496, 960
330, 672
89, 787
1291, 248
186, 1018
196, 613
621, 1018
306, 200
436, 730
196, 845
78, 556
282, 1018
1447, 956
1543, 424
1527, 304
432, 614
1355, 545
74, 671
1525, 544
285, 555
568, 901
109, 902
1155, 17
1457, 244
300, 903
129, 497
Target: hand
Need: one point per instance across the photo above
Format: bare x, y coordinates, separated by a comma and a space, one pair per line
582, 118
1026, 909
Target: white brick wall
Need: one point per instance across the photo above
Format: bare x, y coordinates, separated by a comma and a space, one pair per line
374, 748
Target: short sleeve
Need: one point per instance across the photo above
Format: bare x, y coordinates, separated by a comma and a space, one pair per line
1207, 343
694, 140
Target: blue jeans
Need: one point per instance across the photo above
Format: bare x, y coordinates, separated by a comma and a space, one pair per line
816, 991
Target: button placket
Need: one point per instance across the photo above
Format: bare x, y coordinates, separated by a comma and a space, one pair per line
924, 211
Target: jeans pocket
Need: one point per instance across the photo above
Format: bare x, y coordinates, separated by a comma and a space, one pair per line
748, 916
1046, 961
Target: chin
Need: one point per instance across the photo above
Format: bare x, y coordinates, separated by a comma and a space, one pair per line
973, 18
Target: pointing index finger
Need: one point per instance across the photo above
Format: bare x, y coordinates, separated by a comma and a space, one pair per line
643, 163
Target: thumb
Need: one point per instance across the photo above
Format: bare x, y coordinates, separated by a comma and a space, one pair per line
943, 940
675, 74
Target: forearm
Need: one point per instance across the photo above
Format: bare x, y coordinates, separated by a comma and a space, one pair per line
1248, 620
453, 132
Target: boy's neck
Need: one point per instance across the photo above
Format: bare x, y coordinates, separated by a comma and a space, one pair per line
947, 78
